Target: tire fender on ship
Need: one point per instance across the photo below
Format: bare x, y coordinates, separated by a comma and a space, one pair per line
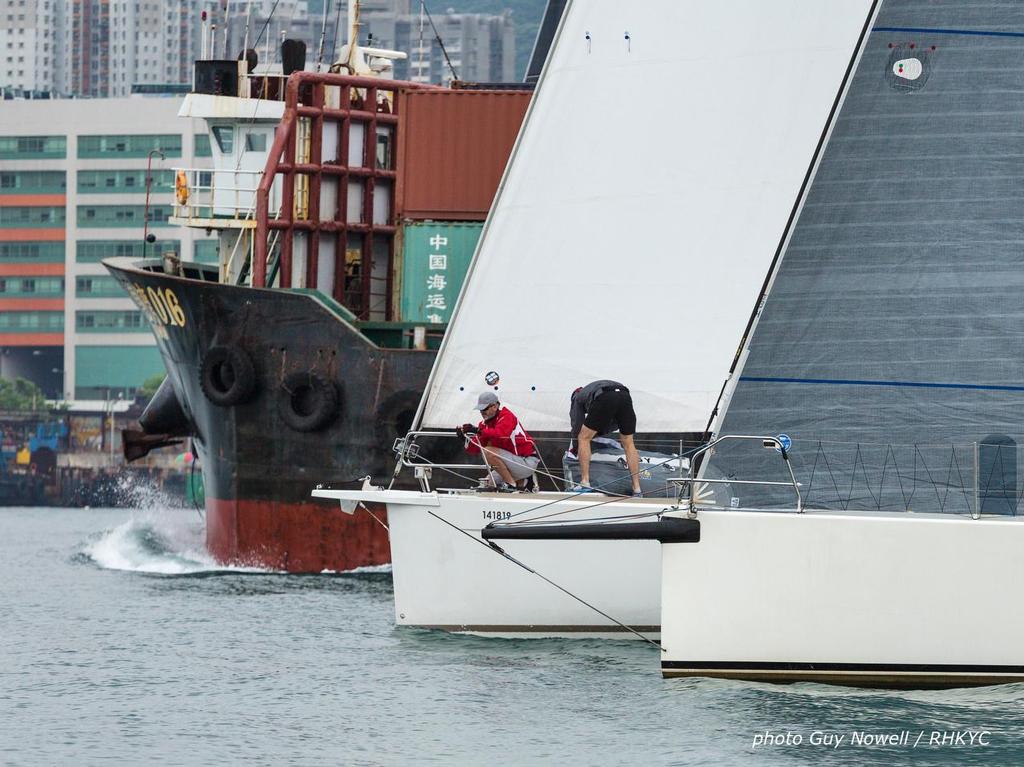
227, 375
395, 415
308, 401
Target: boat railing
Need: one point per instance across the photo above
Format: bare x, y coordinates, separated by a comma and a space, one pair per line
966, 478
689, 498
203, 195
409, 453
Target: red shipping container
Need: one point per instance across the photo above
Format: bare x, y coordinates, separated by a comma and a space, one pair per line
454, 148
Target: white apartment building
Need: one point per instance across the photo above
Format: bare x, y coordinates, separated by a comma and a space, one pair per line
26, 44
104, 48
72, 192
107, 47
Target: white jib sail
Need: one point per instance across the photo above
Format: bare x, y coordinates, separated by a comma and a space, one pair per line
648, 192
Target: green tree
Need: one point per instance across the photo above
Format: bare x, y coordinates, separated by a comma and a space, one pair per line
151, 384
21, 394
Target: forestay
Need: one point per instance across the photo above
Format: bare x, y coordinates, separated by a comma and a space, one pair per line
647, 195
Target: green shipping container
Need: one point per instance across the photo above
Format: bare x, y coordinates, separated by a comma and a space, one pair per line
435, 258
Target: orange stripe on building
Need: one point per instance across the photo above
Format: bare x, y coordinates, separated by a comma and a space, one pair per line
31, 235
31, 270
31, 304
32, 200
31, 339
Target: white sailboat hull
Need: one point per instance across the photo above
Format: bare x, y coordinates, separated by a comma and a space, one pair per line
446, 577
870, 599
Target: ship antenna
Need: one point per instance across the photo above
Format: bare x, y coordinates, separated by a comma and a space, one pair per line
248, 22
419, 49
227, 25
334, 43
323, 36
437, 36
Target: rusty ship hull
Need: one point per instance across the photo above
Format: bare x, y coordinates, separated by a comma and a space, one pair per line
262, 455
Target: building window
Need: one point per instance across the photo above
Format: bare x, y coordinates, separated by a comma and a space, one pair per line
129, 146
41, 216
32, 286
32, 147
122, 215
207, 251
98, 287
94, 251
31, 182
18, 322
112, 181
110, 322
32, 252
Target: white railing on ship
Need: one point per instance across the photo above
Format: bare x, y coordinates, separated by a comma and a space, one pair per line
209, 195
408, 452
687, 483
951, 478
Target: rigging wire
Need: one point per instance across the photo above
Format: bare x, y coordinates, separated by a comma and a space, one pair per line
259, 37
419, 47
440, 42
498, 550
334, 40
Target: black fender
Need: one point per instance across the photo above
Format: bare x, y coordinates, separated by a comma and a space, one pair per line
395, 415
308, 401
227, 375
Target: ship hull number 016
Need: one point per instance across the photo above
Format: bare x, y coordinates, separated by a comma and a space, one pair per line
161, 306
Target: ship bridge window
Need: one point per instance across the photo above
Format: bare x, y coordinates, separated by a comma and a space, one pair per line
255, 142
224, 135
384, 159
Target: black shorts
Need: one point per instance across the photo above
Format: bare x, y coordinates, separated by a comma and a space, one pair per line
612, 407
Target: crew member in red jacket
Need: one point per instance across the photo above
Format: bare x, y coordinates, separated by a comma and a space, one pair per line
507, 448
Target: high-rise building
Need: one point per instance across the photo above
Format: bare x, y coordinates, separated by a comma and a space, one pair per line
73, 176
26, 45
480, 47
107, 46
476, 47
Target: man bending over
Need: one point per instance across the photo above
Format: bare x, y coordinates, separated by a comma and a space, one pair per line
601, 407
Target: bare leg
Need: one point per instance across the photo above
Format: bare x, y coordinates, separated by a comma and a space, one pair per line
499, 466
583, 451
632, 460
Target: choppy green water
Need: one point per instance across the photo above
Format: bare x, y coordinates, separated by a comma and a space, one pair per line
121, 643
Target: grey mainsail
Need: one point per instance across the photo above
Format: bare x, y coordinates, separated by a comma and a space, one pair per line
890, 346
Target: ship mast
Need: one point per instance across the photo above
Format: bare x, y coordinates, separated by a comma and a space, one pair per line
354, 58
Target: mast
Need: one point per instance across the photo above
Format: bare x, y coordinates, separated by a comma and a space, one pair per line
248, 21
